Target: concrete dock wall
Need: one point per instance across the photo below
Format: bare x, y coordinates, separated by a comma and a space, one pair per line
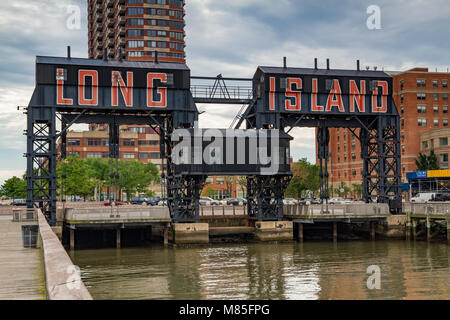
62, 282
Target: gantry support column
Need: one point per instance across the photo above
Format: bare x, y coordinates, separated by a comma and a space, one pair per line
335, 232
118, 235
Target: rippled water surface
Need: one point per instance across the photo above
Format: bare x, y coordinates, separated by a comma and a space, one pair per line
319, 270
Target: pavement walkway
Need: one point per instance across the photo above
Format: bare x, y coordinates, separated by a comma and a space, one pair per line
21, 270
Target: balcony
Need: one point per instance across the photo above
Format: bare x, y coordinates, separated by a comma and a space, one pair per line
110, 33
110, 12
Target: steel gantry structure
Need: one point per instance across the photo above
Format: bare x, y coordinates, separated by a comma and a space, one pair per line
160, 95
323, 98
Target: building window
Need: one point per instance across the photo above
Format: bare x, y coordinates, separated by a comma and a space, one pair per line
209, 180
345, 146
421, 96
402, 109
443, 142
401, 84
74, 153
444, 84
138, 129
421, 109
421, 83
143, 155
402, 136
403, 148
435, 83
345, 157
445, 122
445, 96
443, 161
105, 155
155, 155
353, 156
96, 155
436, 96
436, 109
73, 142
402, 98
220, 180
436, 122
94, 142
445, 109
353, 144
129, 156
128, 142
422, 122
424, 145
354, 172
135, 43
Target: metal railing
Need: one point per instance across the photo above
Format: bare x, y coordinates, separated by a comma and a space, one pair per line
229, 92
25, 215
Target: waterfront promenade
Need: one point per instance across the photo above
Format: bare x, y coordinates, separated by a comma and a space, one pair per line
21, 270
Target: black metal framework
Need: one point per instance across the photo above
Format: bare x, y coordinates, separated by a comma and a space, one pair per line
41, 161
161, 97
298, 97
265, 196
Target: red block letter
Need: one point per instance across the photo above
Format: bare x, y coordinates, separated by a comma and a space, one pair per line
296, 94
314, 105
151, 77
335, 98
126, 90
357, 96
82, 74
60, 100
384, 93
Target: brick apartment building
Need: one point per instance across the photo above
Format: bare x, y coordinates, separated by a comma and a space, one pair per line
136, 142
422, 101
138, 27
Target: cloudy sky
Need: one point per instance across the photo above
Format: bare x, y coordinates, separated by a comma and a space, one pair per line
230, 37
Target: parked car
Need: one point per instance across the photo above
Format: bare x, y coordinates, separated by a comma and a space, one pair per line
224, 201
206, 201
423, 197
336, 201
441, 197
290, 201
236, 202
153, 201
116, 203
306, 201
5, 201
19, 202
139, 200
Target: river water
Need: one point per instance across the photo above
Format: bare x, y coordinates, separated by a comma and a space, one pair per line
310, 270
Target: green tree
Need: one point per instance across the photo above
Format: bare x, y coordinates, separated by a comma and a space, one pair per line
342, 190
14, 187
135, 176
305, 178
357, 189
78, 177
209, 192
427, 162
242, 181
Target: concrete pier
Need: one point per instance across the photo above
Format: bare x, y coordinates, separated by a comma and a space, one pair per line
118, 233
274, 230
21, 270
372, 230
184, 233
335, 232
300, 232
62, 280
